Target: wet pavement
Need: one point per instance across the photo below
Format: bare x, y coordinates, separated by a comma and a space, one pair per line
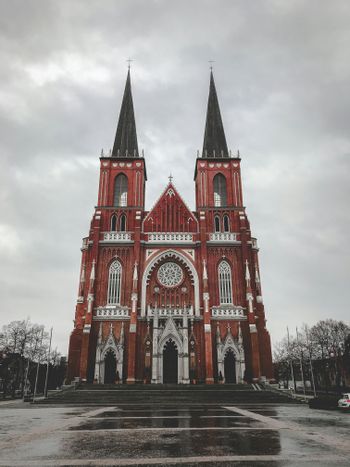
244, 435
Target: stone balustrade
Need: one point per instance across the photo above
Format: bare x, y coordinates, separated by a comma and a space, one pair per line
171, 237
116, 237
223, 237
111, 312
174, 312
233, 312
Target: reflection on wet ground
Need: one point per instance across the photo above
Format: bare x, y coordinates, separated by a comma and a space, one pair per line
147, 435
158, 444
169, 422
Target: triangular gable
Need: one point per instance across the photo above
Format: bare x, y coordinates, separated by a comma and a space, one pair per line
170, 214
170, 331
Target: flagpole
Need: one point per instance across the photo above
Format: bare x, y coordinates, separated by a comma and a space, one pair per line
291, 361
48, 365
38, 366
310, 362
301, 364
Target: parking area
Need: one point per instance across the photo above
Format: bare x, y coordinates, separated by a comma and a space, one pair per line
247, 435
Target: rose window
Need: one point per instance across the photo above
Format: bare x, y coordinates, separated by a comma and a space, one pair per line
170, 274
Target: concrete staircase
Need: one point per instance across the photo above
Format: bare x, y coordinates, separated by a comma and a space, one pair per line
166, 395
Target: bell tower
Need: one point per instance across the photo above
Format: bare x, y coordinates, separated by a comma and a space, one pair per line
228, 249
111, 252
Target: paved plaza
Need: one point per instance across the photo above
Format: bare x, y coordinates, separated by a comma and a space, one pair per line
244, 435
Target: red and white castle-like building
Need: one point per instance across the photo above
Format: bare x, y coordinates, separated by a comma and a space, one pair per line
170, 295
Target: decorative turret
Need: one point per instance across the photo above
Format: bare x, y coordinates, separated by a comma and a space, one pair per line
125, 143
214, 136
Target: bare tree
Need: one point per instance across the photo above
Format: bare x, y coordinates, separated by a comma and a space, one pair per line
22, 342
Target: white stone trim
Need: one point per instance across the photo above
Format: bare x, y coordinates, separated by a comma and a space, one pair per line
173, 312
182, 258
86, 328
170, 237
180, 338
110, 344
224, 237
190, 252
111, 237
111, 313
232, 313
231, 344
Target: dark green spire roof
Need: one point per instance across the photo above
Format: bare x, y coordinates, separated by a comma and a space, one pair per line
125, 143
214, 136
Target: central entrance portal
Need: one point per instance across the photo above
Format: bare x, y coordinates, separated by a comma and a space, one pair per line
170, 363
230, 367
110, 368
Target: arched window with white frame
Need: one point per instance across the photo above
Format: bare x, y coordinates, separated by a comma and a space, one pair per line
114, 283
120, 190
225, 283
122, 223
220, 192
217, 224
226, 222
113, 223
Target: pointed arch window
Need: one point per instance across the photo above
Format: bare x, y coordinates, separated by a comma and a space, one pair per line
120, 190
220, 192
113, 223
114, 283
225, 283
226, 223
217, 224
122, 223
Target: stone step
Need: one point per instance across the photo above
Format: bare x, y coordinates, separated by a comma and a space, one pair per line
164, 395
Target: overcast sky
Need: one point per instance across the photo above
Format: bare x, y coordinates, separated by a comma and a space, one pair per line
282, 73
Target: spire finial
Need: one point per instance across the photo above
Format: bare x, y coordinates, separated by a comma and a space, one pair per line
170, 178
129, 60
211, 64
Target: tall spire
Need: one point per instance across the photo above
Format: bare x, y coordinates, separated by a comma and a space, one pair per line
214, 136
125, 143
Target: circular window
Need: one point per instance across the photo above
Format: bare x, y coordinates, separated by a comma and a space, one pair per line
170, 274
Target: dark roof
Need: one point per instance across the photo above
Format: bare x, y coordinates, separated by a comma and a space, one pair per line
125, 143
214, 136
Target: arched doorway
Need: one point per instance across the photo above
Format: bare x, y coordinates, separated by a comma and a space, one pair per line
110, 368
230, 367
170, 363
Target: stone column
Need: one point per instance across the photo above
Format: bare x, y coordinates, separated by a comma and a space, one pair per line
186, 371
155, 348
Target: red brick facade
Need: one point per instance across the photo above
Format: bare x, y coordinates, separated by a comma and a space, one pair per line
186, 290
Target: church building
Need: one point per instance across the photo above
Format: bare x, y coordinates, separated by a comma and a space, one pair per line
170, 295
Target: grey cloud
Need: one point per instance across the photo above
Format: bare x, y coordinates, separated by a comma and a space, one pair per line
282, 75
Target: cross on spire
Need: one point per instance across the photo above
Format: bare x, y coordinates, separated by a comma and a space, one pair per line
211, 64
129, 60
170, 178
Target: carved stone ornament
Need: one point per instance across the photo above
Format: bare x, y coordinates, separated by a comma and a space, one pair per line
170, 274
